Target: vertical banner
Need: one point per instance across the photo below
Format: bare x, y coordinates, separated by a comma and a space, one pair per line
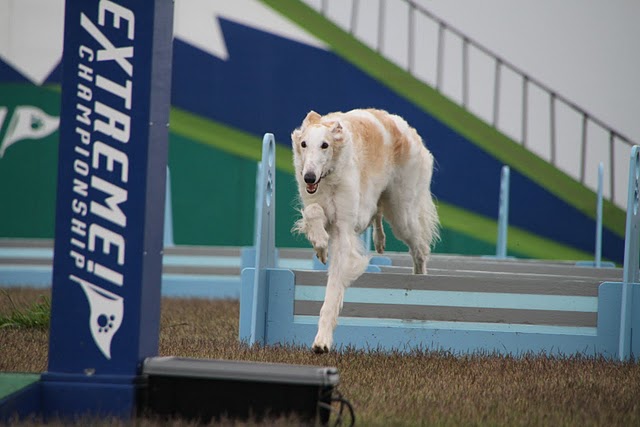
110, 195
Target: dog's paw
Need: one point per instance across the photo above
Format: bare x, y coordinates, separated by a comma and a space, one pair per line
320, 350
380, 247
322, 254
321, 344
320, 241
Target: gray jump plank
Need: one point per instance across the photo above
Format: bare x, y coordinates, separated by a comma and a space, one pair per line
455, 314
404, 259
26, 261
187, 250
295, 253
603, 274
26, 243
200, 270
504, 283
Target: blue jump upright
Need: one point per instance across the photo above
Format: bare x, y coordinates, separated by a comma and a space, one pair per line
503, 213
110, 207
264, 240
630, 287
597, 262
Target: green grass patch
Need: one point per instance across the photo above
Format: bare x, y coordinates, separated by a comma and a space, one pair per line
37, 315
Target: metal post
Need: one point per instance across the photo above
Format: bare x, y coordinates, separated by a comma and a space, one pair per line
552, 128
440, 56
583, 164
354, 17
612, 159
525, 108
411, 37
380, 25
496, 93
465, 72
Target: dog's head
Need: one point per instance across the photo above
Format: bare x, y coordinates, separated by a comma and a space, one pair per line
315, 146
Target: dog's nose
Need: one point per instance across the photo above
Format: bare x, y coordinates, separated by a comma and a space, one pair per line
310, 177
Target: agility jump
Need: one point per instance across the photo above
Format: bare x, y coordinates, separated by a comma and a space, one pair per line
554, 308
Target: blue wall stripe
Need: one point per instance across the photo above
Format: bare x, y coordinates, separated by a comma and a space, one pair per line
201, 261
455, 299
461, 326
296, 263
29, 253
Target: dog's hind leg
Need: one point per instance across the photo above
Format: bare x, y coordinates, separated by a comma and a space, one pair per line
347, 264
312, 224
425, 233
379, 238
417, 226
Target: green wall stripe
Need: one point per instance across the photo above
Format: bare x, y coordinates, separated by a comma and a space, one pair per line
224, 137
475, 130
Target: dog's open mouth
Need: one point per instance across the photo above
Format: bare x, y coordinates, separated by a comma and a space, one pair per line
312, 188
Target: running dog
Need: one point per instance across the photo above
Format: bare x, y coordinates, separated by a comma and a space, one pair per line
352, 170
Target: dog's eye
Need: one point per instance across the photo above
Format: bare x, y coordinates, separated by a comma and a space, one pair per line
324, 145
304, 144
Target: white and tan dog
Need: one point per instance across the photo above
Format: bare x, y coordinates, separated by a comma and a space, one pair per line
352, 169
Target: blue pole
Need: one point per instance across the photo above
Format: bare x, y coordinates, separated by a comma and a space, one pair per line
599, 218
264, 237
503, 213
168, 213
631, 272
112, 165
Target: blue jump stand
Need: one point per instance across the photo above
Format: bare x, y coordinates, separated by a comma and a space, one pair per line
598, 263
248, 253
265, 249
503, 215
112, 160
630, 300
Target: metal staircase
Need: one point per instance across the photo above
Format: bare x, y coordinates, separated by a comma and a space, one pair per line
489, 86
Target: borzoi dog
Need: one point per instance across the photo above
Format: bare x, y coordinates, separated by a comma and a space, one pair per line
352, 170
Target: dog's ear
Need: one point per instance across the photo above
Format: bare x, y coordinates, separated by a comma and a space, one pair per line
296, 135
312, 117
337, 131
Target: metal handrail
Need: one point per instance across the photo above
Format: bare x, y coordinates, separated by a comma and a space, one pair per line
500, 64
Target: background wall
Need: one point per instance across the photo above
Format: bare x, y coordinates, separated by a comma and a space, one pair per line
242, 68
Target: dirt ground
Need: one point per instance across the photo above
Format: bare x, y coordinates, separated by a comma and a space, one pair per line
386, 389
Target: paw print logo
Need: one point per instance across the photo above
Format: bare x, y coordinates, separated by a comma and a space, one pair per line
105, 323
103, 326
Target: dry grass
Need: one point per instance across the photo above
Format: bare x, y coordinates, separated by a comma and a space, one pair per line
387, 389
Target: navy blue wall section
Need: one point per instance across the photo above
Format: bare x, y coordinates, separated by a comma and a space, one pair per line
9, 75
269, 83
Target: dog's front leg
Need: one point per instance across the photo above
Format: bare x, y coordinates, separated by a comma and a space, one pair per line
347, 263
312, 224
329, 312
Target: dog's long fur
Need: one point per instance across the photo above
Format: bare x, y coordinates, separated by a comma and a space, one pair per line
359, 167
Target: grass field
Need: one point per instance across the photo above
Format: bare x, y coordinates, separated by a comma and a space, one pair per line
386, 389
